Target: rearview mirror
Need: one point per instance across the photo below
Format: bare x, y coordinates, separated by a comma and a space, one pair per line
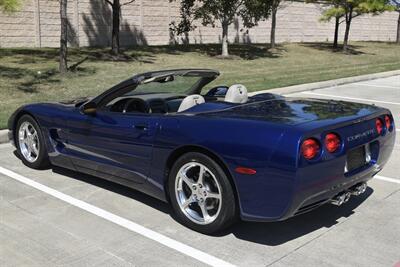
166, 79
89, 108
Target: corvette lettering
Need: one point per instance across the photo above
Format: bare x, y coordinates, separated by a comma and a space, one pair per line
360, 135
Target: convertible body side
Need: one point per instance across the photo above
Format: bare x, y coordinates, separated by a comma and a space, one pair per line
138, 150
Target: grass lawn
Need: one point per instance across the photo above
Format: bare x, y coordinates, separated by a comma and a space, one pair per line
30, 75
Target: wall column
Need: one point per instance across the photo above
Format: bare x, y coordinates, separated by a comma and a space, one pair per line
76, 21
38, 34
141, 14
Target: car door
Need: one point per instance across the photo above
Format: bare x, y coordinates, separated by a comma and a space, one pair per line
112, 144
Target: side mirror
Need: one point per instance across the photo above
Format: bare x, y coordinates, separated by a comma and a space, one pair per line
89, 108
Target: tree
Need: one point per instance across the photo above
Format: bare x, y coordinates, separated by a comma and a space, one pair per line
396, 6
9, 5
350, 9
336, 34
63, 67
209, 12
187, 14
398, 28
262, 10
223, 11
274, 9
116, 21
336, 14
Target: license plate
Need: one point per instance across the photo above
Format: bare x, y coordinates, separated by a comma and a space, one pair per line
356, 158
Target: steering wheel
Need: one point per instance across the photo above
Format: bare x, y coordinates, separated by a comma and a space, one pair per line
136, 104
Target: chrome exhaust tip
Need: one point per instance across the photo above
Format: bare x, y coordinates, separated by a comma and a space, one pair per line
363, 188
339, 199
359, 189
344, 196
347, 196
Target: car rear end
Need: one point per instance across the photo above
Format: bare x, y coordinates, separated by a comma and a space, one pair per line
335, 162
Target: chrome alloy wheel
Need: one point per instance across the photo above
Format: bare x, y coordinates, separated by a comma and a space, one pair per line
198, 193
28, 141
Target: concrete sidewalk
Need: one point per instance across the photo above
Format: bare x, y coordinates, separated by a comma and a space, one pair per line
329, 83
4, 136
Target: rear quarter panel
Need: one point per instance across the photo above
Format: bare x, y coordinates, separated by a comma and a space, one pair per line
284, 180
269, 148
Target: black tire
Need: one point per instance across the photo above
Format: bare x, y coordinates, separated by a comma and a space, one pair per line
227, 214
42, 160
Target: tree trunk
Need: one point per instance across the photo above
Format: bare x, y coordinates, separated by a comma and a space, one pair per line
349, 16
63, 36
116, 10
225, 51
398, 29
336, 37
273, 25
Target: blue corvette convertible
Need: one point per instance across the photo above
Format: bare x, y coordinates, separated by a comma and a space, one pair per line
215, 156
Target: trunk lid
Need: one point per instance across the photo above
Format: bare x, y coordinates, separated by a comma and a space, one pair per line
295, 111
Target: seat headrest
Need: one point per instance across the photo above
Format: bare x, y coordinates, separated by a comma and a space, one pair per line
191, 101
237, 93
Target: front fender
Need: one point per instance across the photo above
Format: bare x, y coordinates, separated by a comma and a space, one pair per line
12, 121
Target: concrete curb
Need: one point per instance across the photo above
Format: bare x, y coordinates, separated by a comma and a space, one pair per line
330, 83
4, 136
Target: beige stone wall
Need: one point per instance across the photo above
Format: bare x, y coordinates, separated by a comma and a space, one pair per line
147, 22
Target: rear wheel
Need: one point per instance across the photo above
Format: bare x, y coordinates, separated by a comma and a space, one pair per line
201, 194
30, 143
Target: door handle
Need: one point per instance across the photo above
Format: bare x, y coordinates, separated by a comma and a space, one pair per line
141, 125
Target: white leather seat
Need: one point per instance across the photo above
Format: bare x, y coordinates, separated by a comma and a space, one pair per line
191, 101
237, 93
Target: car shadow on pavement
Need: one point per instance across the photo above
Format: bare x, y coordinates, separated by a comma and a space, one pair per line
116, 188
266, 233
277, 233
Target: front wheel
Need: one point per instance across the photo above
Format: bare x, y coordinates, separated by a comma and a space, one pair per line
30, 143
201, 194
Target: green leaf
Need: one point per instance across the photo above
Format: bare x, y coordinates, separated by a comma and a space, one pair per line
9, 6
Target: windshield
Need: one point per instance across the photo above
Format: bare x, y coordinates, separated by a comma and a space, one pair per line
167, 84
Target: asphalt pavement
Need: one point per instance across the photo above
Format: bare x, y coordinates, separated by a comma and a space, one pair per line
60, 217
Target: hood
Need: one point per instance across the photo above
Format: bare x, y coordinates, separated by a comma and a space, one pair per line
295, 111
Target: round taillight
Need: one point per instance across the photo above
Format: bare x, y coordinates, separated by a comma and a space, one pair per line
388, 122
310, 148
379, 126
332, 142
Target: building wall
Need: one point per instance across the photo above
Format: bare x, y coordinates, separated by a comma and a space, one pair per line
147, 22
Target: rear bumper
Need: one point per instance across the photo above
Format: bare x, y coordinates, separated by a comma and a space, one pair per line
319, 195
315, 195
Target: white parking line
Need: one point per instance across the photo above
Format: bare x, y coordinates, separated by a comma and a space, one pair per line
134, 227
387, 179
383, 86
352, 98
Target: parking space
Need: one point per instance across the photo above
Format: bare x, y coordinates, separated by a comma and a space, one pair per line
88, 221
39, 230
382, 92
